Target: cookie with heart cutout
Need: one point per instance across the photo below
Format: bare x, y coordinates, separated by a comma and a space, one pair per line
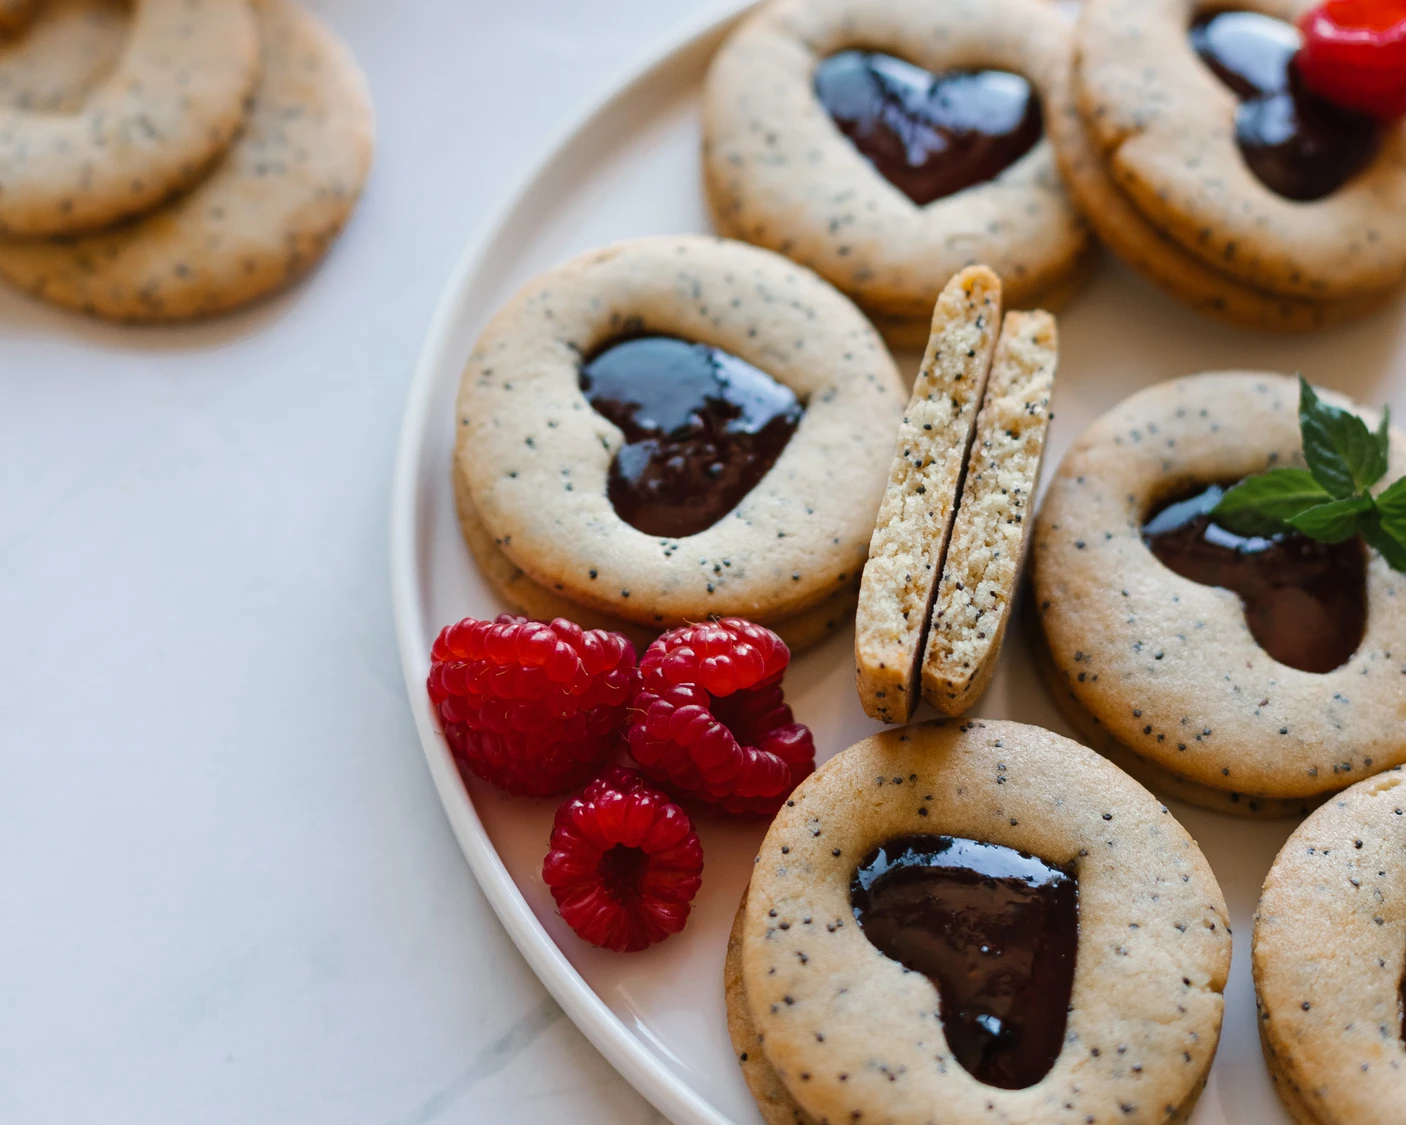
1329, 953
1215, 141
172, 106
264, 216
1125, 231
801, 154
679, 427
1256, 706
865, 993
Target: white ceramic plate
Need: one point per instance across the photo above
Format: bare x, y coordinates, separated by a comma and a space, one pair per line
630, 168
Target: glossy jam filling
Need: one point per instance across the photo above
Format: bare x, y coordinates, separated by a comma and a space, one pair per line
1305, 602
1299, 145
701, 427
930, 135
996, 930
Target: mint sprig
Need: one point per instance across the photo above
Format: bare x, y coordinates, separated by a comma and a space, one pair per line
1331, 500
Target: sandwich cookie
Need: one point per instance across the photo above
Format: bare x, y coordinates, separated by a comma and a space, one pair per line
675, 428
1218, 145
1329, 954
986, 918
949, 539
1260, 675
889, 145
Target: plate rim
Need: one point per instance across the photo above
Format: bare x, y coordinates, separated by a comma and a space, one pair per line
667, 1091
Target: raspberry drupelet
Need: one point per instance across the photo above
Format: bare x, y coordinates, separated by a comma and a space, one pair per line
624, 863
535, 709
711, 721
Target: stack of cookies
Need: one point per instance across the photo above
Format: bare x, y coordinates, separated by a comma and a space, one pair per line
1203, 161
176, 162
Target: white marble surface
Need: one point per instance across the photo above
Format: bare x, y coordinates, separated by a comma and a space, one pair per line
227, 891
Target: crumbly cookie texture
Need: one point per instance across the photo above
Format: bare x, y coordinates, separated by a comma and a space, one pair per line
1167, 666
535, 457
995, 515
1119, 224
1165, 126
774, 1101
172, 106
1329, 954
67, 50
264, 216
910, 537
806, 630
848, 1030
780, 174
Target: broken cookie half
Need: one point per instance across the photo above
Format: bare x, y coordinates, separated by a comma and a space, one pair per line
945, 557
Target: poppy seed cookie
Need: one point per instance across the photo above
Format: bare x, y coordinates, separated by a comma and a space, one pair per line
779, 173
1165, 126
995, 516
1329, 954
848, 1030
67, 50
1119, 224
910, 537
1167, 666
509, 582
265, 215
174, 104
536, 458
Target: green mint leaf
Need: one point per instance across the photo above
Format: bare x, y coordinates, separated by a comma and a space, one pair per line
1263, 504
1391, 510
1389, 546
1341, 452
1331, 522
1383, 436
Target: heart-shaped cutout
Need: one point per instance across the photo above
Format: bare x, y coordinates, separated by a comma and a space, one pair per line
996, 930
930, 135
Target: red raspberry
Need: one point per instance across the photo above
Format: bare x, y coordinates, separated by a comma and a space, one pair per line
533, 708
710, 718
1354, 54
625, 863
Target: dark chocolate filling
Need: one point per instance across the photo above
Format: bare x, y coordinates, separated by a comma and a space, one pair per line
1298, 145
996, 930
1305, 602
701, 427
930, 135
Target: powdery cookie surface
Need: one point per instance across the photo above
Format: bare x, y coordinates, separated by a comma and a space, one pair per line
65, 52
265, 215
1167, 666
779, 173
1329, 954
910, 536
982, 566
806, 630
1166, 127
173, 104
1153, 953
1119, 224
535, 457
